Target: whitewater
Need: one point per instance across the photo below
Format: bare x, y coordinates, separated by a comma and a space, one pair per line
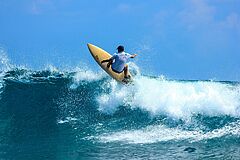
84, 114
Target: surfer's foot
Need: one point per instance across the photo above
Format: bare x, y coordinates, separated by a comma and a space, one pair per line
125, 81
127, 77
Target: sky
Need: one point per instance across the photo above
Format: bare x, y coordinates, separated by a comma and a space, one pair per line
180, 39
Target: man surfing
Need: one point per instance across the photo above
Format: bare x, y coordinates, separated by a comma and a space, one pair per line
118, 61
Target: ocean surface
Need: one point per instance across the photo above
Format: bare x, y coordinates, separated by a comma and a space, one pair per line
82, 114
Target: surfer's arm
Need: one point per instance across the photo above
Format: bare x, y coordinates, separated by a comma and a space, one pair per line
130, 55
133, 55
110, 61
107, 60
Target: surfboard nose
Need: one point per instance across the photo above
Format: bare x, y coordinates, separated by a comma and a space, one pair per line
90, 45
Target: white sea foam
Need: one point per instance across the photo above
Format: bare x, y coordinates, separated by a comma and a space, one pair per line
85, 75
160, 133
66, 120
51, 68
5, 64
173, 98
1, 82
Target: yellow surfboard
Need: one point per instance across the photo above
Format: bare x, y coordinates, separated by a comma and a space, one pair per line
99, 55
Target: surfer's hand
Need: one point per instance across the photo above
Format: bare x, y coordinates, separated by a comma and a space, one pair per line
134, 55
104, 61
108, 65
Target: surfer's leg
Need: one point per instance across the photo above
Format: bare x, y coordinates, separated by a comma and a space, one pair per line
125, 71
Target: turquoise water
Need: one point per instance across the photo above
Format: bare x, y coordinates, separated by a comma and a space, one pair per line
49, 114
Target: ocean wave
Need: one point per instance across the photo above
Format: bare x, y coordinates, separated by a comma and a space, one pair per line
155, 95
150, 110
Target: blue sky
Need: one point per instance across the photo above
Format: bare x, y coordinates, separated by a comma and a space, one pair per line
181, 39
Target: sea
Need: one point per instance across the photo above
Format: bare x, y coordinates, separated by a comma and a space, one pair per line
82, 114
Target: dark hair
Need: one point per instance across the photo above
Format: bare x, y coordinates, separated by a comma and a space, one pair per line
120, 49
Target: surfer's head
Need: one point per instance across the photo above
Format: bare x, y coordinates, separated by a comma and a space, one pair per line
120, 49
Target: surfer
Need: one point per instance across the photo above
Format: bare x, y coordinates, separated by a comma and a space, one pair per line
118, 61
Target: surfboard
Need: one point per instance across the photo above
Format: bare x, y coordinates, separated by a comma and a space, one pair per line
99, 55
